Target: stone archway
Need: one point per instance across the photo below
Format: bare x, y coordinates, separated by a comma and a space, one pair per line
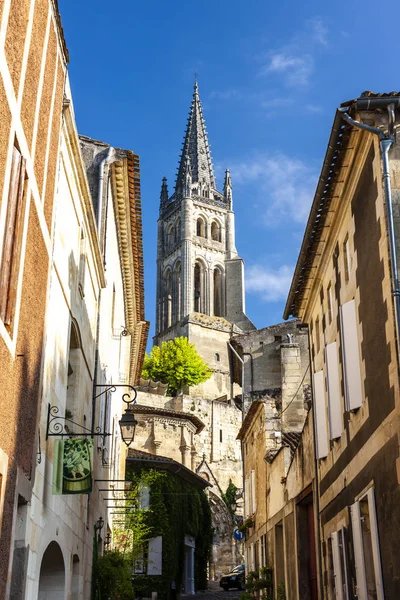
52, 574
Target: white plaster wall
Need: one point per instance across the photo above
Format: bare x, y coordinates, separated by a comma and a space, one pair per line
67, 519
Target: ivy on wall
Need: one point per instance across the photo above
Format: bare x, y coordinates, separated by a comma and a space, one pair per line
177, 508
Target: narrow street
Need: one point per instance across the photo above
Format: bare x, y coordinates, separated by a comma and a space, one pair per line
214, 592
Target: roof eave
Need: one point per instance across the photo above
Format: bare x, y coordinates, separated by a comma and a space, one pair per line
324, 182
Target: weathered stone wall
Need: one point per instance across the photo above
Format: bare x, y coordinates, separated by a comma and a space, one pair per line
32, 75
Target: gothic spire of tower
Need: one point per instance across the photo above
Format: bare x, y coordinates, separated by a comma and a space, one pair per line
197, 148
164, 193
228, 188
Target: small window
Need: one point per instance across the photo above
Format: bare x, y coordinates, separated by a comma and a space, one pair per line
217, 357
220, 435
215, 232
200, 228
346, 259
12, 241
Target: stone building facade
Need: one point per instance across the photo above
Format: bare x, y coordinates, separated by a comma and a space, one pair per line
95, 336
345, 288
282, 495
33, 58
201, 435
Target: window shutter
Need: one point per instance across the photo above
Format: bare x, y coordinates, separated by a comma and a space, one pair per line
320, 415
12, 243
246, 499
154, 566
376, 556
253, 492
351, 356
342, 544
334, 404
358, 552
337, 570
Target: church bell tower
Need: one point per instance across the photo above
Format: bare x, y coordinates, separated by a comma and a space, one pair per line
200, 277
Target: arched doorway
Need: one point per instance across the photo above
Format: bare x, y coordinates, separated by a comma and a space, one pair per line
52, 574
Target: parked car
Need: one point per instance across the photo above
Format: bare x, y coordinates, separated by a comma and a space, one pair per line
234, 579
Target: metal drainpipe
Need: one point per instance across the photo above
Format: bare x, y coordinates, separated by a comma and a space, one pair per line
385, 143
103, 163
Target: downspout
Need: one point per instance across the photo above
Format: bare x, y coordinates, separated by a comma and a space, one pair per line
385, 143
105, 161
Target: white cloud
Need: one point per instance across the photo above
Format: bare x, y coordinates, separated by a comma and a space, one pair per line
224, 94
285, 185
271, 284
320, 31
314, 108
296, 69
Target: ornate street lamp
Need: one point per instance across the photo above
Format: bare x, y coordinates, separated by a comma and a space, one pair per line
128, 422
98, 526
107, 541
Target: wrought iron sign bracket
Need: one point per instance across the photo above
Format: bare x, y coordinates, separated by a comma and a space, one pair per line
57, 426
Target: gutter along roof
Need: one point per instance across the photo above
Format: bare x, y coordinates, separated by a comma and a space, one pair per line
333, 162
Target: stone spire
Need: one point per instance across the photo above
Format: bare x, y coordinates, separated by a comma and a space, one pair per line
228, 189
197, 148
164, 193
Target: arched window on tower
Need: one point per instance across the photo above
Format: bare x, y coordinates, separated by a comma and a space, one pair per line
201, 228
215, 231
168, 294
170, 236
177, 292
199, 288
178, 231
217, 292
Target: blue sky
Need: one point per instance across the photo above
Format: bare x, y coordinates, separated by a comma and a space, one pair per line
270, 77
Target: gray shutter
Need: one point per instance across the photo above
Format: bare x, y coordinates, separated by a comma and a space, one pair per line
337, 569
376, 555
361, 579
334, 395
320, 415
351, 355
345, 581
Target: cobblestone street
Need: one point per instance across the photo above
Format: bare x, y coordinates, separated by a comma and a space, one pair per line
215, 592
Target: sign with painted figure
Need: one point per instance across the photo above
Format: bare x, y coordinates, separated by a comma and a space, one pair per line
73, 466
238, 535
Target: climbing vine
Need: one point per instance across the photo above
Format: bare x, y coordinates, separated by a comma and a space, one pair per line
177, 508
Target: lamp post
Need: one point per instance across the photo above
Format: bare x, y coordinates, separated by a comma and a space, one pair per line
107, 541
128, 422
98, 526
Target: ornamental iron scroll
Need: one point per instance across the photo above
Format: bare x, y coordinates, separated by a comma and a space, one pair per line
57, 426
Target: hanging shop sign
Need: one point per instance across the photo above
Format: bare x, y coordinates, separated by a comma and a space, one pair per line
73, 466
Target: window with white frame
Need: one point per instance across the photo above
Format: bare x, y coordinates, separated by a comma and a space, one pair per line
334, 393
351, 355
320, 415
366, 547
340, 571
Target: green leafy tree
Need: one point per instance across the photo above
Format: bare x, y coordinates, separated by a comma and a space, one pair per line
229, 497
176, 363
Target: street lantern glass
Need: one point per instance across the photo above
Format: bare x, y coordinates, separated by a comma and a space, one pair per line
128, 425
